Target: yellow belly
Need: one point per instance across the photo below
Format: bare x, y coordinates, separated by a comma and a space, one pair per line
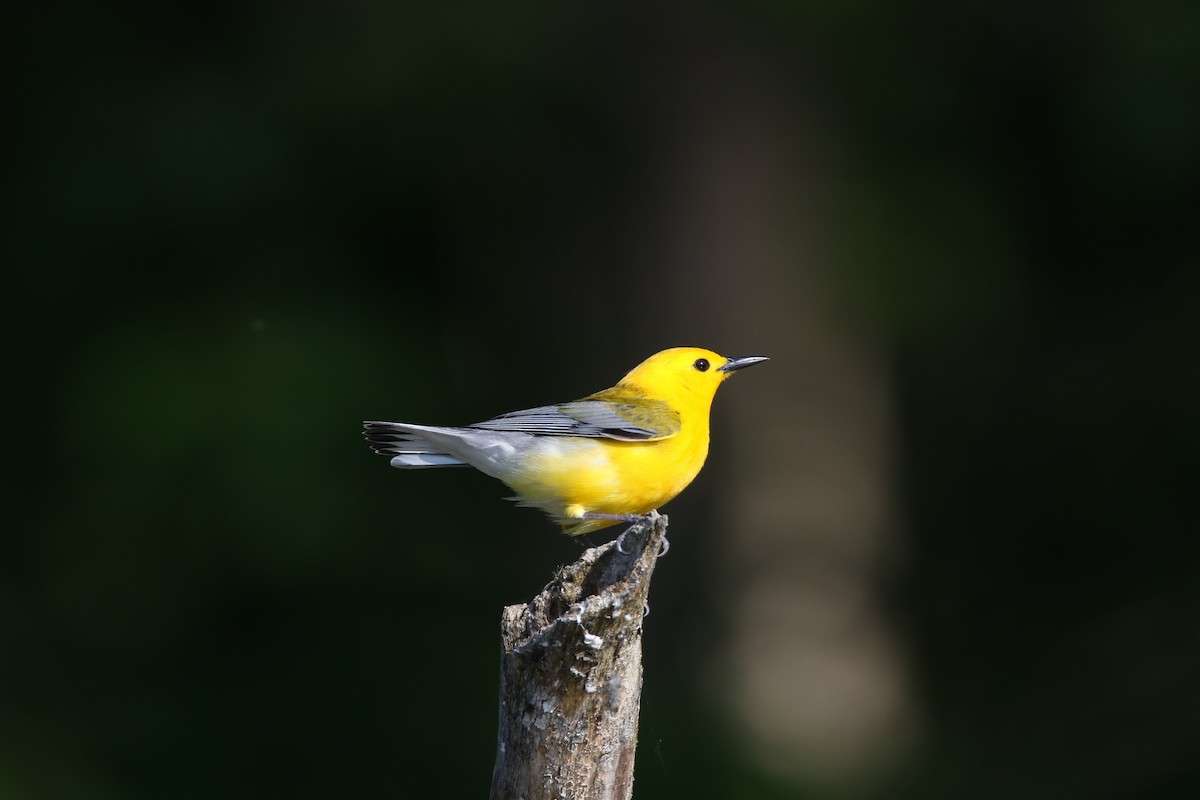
572, 476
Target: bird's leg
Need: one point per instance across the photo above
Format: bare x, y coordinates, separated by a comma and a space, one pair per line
617, 517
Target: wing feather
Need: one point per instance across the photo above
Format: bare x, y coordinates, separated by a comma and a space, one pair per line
618, 414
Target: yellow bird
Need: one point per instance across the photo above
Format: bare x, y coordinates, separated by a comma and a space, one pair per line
610, 457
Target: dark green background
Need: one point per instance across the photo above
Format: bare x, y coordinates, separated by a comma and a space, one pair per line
232, 231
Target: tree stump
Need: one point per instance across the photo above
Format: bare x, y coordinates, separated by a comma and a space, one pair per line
571, 676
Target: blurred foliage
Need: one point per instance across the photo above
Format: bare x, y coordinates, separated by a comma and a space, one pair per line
234, 231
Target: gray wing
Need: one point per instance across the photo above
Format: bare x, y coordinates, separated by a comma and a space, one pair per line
597, 419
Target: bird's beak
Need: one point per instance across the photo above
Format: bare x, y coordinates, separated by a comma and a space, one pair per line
739, 362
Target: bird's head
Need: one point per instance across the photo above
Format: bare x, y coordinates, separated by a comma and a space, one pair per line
690, 373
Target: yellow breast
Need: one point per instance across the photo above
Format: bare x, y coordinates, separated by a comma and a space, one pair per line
570, 476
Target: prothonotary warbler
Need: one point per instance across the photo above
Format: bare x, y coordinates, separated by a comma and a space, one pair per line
610, 457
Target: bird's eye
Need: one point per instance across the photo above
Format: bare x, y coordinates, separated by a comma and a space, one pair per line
701, 364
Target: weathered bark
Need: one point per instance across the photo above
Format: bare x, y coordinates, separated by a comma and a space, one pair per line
571, 677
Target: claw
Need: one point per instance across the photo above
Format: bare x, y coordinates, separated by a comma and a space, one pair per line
621, 542
664, 547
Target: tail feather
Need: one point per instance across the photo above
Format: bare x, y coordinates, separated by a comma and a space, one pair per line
408, 450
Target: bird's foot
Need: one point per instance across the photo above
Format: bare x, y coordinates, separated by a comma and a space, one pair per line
621, 539
638, 522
